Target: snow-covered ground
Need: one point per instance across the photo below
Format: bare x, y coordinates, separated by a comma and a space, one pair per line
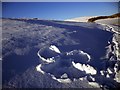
109, 21
71, 54
110, 24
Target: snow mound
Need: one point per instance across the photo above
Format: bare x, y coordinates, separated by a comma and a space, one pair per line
61, 65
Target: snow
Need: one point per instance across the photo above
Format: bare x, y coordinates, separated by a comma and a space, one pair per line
64, 75
108, 21
117, 77
62, 80
80, 53
59, 60
52, 62
49, 60
54, 48
86, 55
79, 19
115, 68
93, 79
38, 68
94, 84
109, 27
109, 71
67, 80
81, 79
102, 72
87, 68
108, 76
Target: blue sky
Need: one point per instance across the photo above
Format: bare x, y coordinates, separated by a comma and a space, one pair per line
57, 10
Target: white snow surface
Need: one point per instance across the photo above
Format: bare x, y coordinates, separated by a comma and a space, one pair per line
87, 68
54, 48
67, 80
38, 68
94, 84
49, 60
79, 19
107, 21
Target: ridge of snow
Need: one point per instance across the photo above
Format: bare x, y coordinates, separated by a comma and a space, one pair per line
54, 48
38, 68
49, 60
67, 80
87, 68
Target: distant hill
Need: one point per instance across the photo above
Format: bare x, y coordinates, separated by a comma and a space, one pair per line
109, 20
93, 19
80, 19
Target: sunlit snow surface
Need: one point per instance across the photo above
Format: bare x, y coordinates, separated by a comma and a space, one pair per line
54, 48
72, 54
87, 68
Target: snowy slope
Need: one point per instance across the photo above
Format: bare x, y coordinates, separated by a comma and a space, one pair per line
48, 53
79, 19
101, 21
109, 21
